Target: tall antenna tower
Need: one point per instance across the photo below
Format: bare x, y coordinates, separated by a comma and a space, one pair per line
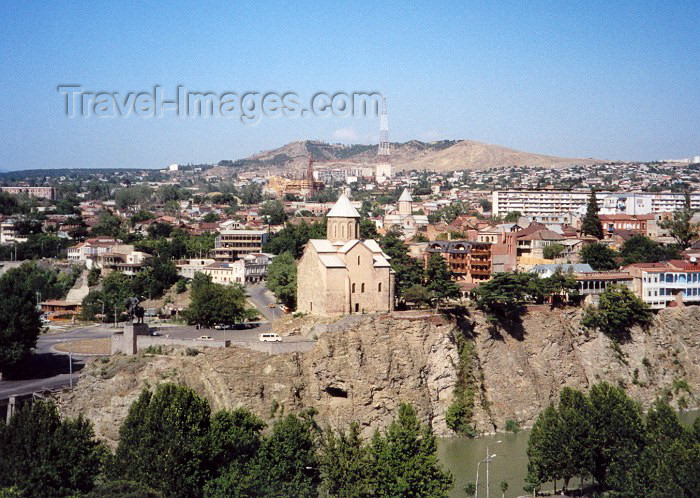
383, 132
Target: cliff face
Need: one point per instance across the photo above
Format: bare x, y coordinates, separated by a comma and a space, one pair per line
362, 368
520, 377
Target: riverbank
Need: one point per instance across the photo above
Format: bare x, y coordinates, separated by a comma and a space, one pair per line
460, 456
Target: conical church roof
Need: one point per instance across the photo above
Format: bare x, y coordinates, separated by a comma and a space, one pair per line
405, 196
343, 209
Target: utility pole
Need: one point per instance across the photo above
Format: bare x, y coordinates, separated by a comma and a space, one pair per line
488, 459
70, 367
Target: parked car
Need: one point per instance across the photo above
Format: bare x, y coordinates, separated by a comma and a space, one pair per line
269, 337
223, 326
155, 333
205, 338
271, 305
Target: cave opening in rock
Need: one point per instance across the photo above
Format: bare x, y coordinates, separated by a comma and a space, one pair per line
336, 392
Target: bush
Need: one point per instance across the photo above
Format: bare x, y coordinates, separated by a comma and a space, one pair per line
512, 426
618, 310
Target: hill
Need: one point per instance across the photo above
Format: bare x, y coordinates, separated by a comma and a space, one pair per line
442, 156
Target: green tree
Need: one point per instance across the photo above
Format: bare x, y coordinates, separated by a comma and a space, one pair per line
417, 294
409, 271
543, 446
285, 465
132, 196
163, 442
282, 279
43, 455
552, 251
405, 460
575, 430
368, 230
109, 225
599, 256
19, 319
618, 310
273, 212
505, 294
345, 464
641, 249
616, 430
591, 224
212, 303
234, 438
504, 487
680, 226
438, 278
211, 217
512, 217
293, 238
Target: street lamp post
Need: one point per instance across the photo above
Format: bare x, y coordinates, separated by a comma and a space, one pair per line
476, 485
488, 459
70, 367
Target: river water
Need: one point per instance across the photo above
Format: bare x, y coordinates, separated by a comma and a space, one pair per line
460, 456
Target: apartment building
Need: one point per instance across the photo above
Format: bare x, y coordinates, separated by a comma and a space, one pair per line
8, 232
549, 202
469, 261
230, 245
40, 192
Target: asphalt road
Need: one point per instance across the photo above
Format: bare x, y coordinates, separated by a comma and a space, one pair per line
49, 369
261, 297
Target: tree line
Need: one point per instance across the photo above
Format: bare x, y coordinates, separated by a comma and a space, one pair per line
603, 437
171, 444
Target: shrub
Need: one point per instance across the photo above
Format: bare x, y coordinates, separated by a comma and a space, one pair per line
512, 426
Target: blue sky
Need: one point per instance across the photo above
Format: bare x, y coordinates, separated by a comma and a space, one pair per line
617, 80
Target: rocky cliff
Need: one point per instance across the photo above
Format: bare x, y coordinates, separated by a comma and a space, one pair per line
360, 369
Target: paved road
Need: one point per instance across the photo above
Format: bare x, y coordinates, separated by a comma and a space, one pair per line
49, 368
261, 297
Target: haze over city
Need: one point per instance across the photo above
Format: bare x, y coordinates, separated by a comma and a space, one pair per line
598, 79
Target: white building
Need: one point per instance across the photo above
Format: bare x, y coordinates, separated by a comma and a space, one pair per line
538, 202
384, 172
672, 283
250, 269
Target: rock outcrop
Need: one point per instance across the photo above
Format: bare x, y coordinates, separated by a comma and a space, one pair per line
361, 369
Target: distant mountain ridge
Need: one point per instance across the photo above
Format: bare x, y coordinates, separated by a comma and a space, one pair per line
440, 156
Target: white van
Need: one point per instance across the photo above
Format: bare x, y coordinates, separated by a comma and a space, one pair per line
270, 337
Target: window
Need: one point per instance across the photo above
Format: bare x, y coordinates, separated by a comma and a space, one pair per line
362, 289
358, 261
357, 307
353, 288
379, 287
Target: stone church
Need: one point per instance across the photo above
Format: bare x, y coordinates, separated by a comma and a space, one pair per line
342, 274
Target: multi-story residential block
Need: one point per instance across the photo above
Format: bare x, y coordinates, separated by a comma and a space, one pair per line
8, 232
542, 202
40, 192
230, 245
670, 283
469, 261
